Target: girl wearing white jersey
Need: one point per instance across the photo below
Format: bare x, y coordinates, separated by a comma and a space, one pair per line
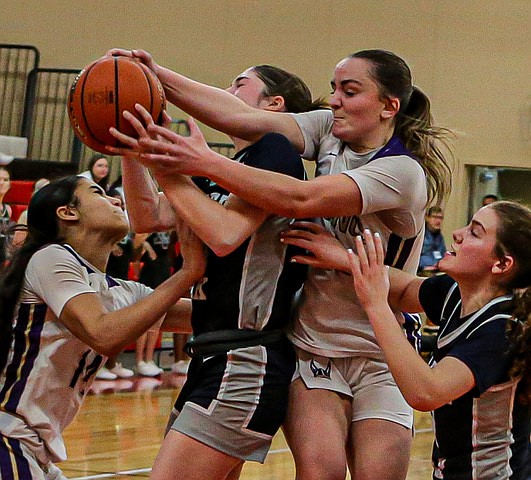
61, 315
378, 165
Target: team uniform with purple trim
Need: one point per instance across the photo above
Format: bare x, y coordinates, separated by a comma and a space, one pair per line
49, 370
331, 329
483, 434
235, 396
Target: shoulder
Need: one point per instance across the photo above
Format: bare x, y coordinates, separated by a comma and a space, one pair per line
275, 152
323, 118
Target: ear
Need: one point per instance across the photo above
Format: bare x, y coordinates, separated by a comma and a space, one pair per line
503, 266
67, 213
275, 103
391, 107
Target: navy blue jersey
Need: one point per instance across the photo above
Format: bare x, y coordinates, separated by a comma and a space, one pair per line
252, 287
475, 435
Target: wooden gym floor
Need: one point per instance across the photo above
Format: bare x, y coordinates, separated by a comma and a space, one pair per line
118, 431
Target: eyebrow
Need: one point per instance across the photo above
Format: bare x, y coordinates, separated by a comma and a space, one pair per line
476, 223
347, 81
96, 188
241, 77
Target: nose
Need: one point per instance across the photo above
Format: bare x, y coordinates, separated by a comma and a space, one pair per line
457, 235
114, 201
334, 101
231, 89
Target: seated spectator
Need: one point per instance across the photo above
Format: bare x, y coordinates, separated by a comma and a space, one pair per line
488, 199
5, 213
98, 171
434, 247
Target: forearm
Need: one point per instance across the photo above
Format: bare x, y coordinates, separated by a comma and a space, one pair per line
147, 209
108, 333
281, 194
223, 228
415, 379
210, 105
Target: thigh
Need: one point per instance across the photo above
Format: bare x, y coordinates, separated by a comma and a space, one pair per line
379, 449
316, 429
381, 432
183, 457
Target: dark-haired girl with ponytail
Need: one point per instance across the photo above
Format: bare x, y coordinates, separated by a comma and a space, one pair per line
380, 160
61, 316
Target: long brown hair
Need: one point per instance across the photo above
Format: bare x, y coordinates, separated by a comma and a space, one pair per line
513, 237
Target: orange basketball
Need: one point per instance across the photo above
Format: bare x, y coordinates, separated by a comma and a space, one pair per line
103, 90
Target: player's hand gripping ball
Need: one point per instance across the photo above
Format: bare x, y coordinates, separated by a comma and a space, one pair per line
103, 90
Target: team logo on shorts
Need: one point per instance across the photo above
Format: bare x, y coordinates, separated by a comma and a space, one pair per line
319, 372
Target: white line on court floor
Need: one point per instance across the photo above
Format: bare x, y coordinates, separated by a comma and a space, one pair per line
146, 470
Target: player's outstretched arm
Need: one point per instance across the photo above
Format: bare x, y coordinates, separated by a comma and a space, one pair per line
109, 332
216, 107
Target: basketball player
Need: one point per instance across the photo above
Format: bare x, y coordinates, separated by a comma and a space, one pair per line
481, 424
235, 397
378, 165
61, 316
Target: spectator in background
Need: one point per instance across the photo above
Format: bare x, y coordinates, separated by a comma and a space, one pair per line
98, 171
5, 213
488, 199
433, 247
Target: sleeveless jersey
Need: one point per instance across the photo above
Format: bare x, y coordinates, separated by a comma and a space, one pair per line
476, 435
49, 370
330, 322
252, 287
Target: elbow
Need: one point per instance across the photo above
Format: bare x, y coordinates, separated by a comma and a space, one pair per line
222, 249
423, 401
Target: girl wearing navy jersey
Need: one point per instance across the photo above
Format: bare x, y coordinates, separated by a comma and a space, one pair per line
479, 384
61, 315
235, 396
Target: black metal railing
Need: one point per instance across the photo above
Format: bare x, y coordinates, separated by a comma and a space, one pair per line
16, 63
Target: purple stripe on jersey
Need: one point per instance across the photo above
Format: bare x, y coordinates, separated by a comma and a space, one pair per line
393, 148
10, 448
26, 349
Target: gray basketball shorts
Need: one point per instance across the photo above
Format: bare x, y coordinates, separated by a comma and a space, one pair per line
367, 381
235, 402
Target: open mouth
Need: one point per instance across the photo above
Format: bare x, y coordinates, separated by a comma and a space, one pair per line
450, 253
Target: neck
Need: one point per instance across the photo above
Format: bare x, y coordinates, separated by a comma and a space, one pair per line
93, 247
370, 142
474, 296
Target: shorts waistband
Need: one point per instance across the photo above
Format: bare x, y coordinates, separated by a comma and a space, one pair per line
221, 341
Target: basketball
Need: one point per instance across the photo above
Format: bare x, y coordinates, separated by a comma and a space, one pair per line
103, 90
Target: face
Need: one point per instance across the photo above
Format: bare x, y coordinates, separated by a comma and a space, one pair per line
472, 252
5, 182
249, 88
100, 169
99, 212
358, 107
435, 221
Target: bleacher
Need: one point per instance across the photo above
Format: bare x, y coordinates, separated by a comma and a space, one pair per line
34, 125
